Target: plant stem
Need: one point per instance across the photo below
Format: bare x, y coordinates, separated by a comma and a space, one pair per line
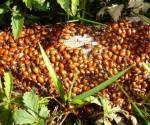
134, 105
90, 21
64, 118
83, 8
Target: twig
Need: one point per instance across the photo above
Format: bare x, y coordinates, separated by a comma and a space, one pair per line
64, 118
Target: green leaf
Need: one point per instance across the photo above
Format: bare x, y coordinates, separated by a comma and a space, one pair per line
4, 7
147, 67
105, 104
39, 5
17, 22
5, 95
74, 6
8, 84
110, 112
44, 112
107, 107
65, 4
41, 122
36, 111
8, 3
30, 100
92, 99
43, 101
28, 3
2, 10
101, 86
23, 117
52, 74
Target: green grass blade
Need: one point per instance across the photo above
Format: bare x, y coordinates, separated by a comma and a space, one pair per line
72, 85
146, 67
90, 21
52, 74
137, 109
1, 87
1, 91
101, 86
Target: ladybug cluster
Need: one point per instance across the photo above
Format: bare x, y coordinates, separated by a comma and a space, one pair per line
109, 50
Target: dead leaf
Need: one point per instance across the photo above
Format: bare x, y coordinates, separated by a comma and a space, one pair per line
115, 11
